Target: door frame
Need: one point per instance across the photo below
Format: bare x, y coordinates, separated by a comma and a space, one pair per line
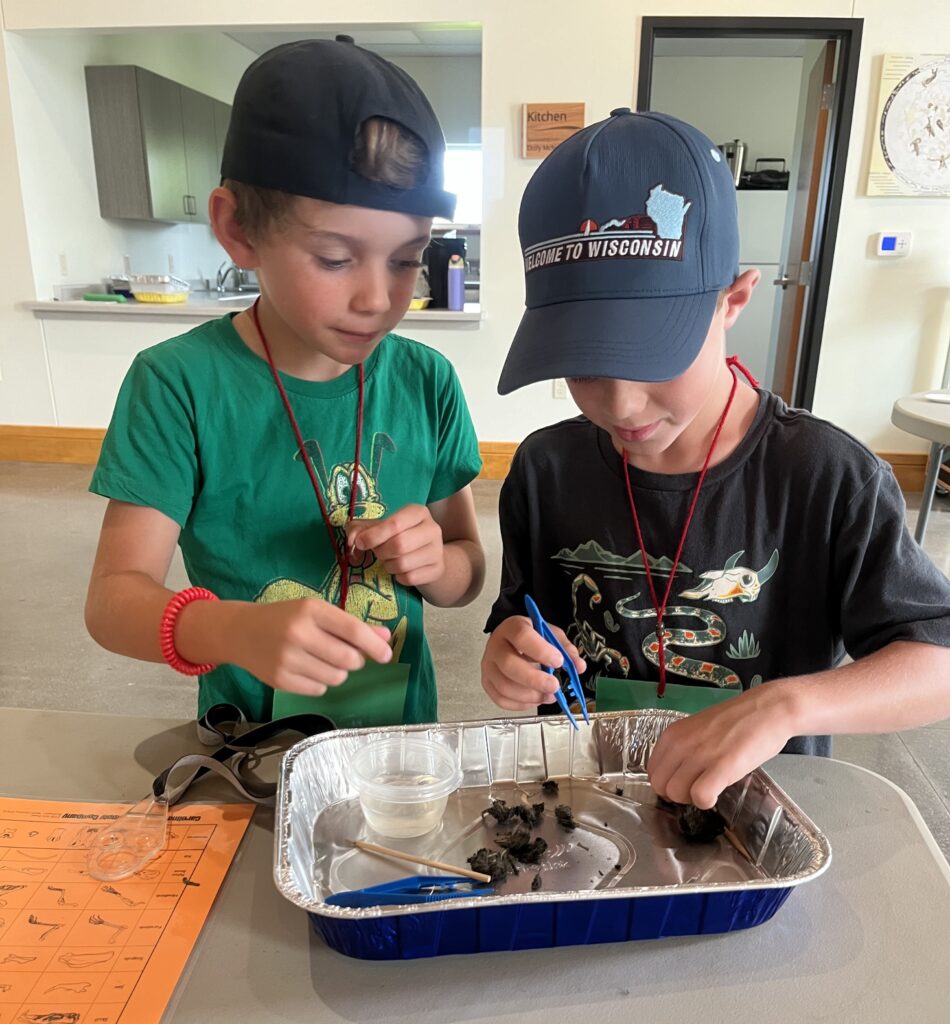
847, 33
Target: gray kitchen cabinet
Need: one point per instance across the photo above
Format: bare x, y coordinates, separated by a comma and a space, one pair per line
154, 144
201, 150
222, 118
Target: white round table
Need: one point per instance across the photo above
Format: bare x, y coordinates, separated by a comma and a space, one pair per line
929, 419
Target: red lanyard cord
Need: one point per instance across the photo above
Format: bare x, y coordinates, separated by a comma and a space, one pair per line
659, 608
734, 361
338, 547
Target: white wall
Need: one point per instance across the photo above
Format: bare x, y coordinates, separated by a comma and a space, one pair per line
888, 323
25, 395
883, 336
453, 86
754, 99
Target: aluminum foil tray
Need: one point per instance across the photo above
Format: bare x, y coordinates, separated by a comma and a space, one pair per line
624, 873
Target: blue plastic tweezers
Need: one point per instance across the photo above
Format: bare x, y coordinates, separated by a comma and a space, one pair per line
416, 889
573, 680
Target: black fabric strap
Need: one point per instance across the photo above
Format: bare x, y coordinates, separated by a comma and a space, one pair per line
238, 754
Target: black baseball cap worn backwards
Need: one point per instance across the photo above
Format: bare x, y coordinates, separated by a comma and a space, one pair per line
296, 114
629, 230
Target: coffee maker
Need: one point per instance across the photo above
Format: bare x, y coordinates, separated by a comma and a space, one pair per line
734, 152
436, 260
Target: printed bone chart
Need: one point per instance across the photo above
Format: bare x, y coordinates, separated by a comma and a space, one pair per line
81, 951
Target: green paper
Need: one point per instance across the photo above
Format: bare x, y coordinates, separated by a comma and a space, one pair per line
640, 695
375, 695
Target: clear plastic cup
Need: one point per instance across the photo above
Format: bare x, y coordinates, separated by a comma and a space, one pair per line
404, 783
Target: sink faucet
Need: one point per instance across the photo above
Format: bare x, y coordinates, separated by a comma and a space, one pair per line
226, 269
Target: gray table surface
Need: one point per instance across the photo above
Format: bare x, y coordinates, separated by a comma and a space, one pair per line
867, 941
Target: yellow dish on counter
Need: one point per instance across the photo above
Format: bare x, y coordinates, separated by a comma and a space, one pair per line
161, 296
420, 303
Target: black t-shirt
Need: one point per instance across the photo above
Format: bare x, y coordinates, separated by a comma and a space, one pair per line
797, 554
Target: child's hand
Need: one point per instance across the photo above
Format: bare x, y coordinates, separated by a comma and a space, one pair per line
408, 543
510, 672
305, 646
696, 758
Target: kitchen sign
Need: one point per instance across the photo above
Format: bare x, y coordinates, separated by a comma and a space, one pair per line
546, 125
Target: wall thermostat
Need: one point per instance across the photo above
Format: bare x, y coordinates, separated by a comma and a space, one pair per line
893, 243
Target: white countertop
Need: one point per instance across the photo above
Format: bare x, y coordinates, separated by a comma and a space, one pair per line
201, 309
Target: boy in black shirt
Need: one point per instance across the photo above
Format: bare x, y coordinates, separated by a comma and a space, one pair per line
689, 526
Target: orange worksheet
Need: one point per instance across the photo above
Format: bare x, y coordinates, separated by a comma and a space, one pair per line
74, 950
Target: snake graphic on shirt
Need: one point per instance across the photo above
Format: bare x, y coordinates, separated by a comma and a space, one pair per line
723, 586
372, 596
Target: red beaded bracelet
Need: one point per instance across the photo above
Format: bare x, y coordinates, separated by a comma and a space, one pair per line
166, 630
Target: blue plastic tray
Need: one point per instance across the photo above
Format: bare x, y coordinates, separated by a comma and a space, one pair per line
679, 889
546, 924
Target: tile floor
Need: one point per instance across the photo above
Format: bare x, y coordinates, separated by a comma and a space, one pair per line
50, 526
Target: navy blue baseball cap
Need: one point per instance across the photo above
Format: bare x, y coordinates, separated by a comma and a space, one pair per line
296, 116
629, 231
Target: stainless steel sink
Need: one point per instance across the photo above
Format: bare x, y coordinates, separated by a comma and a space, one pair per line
247, 297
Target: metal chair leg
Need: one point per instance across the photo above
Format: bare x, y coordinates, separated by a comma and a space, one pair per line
930, 485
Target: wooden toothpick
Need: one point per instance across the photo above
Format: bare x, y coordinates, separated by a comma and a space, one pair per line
385, 851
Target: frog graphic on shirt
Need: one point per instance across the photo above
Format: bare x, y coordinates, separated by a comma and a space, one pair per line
373, 596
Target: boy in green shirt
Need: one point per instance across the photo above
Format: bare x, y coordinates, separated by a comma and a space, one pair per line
313, 467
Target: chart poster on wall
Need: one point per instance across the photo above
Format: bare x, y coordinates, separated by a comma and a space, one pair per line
911, 154
547, 125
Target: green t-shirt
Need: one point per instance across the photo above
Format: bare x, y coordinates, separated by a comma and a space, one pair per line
199, 433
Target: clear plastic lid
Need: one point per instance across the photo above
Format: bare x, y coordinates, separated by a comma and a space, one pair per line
130, 842
406, 769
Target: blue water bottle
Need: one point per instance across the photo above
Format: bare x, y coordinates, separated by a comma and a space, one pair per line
455, 282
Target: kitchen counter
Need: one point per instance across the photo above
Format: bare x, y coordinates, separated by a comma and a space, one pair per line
201, 308
88, 347
866, 942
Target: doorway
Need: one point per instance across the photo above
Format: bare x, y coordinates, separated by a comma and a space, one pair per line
777, 95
